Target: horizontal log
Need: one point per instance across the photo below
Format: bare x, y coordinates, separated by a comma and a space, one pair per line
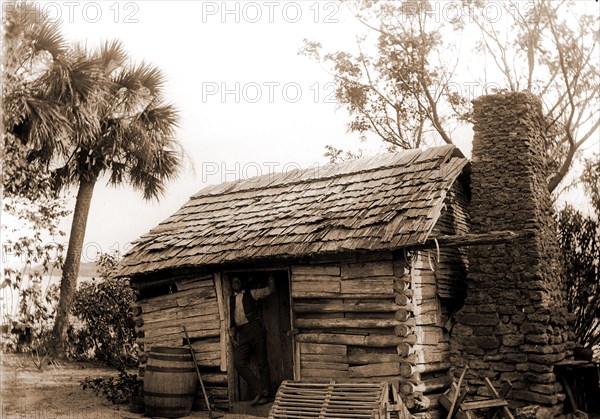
340, 323
174, 326
325, 375
212, 378
322, 358
191, 283
355, 340
175, 333
315, 270
407, 369
474, 239
376, 286
334, 295
400, 285
403, 329
404, 349
341, 306
367, 269
150, 306
199, 309
402, 299
372, 358
204, 292
374, 370
308, 278
323, 348
322, 287
204, 346
206, 320
419, 402
431, 385
402, 315
331, 366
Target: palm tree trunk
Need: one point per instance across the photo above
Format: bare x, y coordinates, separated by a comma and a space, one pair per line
68, 282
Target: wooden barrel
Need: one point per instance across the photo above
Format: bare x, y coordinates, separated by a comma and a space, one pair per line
169, 382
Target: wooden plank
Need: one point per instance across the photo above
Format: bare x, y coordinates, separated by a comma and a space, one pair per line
194, 292
232, 394
407, 369
322, 349
315, 289
297, 361
315, 270
343, 306
191, 283
341, 323
169, 326
483, 404
372, 358
375, 370
222, 319
367, 269
335, 295
377, 286
332, 366
355, 340
206, 346
315, 278
323, 374
321, 358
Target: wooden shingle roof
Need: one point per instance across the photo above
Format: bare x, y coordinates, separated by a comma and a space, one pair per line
384, 202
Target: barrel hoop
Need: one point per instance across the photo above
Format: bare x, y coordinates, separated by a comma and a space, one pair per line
170, 358
174, 396
169, 369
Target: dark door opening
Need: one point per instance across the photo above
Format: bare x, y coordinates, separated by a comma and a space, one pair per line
275, 315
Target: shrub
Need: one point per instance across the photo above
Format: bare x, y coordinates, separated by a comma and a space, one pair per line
106, 331
120, 389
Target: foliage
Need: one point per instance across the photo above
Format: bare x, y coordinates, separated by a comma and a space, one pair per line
103, 307
392, 93
132, 142
33, 52
117, 390
74, 115
416, 89
579, 236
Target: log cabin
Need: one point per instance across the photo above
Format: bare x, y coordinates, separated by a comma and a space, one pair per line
371, 260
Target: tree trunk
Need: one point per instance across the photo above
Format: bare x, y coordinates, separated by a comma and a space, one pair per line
68, 282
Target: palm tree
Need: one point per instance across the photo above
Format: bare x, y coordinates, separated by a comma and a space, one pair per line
41, 81
131, 141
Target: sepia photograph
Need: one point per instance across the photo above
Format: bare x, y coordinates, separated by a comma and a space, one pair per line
339, 209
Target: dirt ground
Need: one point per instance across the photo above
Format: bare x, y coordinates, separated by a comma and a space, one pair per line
54, 392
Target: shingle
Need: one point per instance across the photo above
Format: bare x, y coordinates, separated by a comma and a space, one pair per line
377, 203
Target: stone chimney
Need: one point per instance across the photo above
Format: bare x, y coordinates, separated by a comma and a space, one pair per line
513, 325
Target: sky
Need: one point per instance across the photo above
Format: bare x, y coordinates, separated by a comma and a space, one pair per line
249, 104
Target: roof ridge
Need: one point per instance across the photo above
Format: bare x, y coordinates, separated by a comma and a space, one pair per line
450, 150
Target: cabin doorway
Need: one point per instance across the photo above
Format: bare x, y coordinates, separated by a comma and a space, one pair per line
275, 315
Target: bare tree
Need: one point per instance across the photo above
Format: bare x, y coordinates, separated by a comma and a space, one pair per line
405, 92
552, 50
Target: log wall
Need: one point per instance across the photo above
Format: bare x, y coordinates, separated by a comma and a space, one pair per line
375, 317
190, 301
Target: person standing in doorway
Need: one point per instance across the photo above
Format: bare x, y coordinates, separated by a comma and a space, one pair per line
248, 336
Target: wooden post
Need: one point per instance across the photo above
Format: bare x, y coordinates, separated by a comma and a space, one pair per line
224, 334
